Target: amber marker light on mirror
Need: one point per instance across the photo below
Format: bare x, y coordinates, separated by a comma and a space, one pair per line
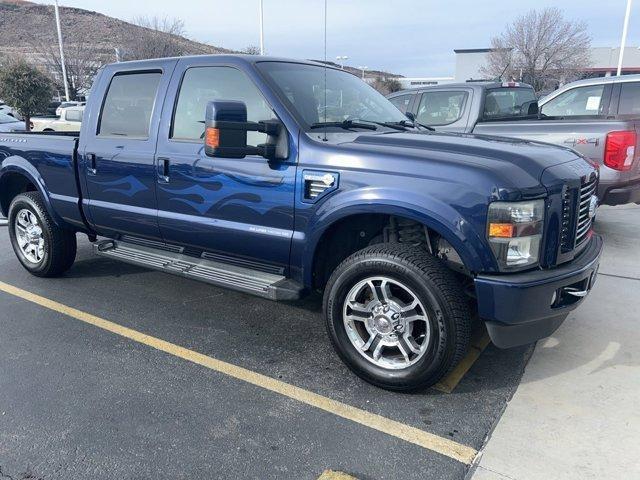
212, 137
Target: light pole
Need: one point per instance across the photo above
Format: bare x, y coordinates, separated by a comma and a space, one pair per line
64, 67
363, 69
261, 27
341, 59
624, 36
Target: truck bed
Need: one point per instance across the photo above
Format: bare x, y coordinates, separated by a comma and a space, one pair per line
50, 159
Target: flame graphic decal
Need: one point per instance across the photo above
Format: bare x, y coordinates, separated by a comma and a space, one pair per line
127, 186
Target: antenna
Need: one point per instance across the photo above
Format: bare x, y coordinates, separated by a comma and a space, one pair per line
325, 70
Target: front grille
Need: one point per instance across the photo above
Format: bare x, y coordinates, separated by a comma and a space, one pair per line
566, 239
584, 218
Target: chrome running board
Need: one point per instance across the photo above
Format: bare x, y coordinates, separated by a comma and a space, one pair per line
255, 282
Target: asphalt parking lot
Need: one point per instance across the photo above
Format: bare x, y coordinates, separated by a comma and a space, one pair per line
77, 401
114, 371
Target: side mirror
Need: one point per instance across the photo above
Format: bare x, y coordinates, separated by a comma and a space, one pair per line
226, 128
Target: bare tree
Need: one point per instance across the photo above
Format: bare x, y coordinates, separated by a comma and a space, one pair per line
160, 38
251, 50
82, 59
386, 85
541, 48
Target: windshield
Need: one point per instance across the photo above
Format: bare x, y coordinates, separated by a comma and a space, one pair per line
4, 118
509, 103
302, 88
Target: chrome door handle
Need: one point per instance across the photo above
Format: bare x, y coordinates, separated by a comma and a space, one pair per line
91, 161
163, 169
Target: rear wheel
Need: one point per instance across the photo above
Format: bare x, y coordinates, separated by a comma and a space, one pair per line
397, 317
42, 247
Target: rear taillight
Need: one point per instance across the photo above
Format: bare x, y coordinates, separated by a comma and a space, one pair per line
620, 149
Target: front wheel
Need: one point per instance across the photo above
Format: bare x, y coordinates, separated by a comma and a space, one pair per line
43, 248
397, 316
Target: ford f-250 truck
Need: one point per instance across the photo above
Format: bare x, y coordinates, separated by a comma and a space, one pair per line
598, 117
278, 178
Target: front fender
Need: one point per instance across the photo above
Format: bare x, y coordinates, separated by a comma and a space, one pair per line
435, 214
19, 165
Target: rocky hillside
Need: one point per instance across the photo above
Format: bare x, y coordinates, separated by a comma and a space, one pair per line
25, 25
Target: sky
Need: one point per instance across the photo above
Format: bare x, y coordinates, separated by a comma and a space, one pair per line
414, 38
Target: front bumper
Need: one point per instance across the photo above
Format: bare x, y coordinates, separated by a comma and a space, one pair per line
619, 194
524, 307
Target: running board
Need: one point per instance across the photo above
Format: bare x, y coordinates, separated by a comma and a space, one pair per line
256, 282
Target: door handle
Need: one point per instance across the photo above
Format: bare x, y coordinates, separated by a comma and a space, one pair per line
163, 169
91, 160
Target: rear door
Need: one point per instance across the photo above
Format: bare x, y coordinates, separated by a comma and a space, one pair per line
118, 150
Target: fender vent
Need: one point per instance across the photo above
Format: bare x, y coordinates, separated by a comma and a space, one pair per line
316, 184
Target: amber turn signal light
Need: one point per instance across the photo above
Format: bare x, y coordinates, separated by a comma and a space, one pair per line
212, 137
504, 230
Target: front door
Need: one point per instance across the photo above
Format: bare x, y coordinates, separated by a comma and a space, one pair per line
238, 210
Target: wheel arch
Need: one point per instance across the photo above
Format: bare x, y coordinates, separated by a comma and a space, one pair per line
440, 218
18, 176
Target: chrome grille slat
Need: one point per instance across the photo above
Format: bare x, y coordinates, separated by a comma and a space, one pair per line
584, 220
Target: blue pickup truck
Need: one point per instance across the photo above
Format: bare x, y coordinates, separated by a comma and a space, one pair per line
279, 178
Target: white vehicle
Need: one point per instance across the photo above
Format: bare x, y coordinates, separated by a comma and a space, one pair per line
69, 121
7, 110
64, 105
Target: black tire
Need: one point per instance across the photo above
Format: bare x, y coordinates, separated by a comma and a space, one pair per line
433, 284
59, 244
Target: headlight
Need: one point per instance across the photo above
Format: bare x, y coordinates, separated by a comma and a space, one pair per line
514, 230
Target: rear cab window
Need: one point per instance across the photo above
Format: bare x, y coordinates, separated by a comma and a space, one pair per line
629, 99
128, 105
439, 108
505, 103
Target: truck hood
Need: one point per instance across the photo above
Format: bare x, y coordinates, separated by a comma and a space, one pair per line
496, 153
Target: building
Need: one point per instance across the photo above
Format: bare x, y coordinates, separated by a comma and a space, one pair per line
415, 82
604, 62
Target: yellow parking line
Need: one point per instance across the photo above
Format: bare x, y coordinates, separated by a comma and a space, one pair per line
479, 342
457, 451
333, 475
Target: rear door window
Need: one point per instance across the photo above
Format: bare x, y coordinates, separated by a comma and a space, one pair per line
509, 102
629, 99
579, 101
440, 108
128, 106
402, 102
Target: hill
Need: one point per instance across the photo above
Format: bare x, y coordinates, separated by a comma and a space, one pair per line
25, 25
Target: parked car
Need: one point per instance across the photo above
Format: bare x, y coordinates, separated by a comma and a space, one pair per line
8, 110
229, 170
64, 105
70, 120
600, 118
10, 124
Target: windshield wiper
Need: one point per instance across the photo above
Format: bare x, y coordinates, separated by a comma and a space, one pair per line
346, 124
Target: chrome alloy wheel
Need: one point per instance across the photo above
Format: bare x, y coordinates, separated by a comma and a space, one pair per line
29, 236
386, 323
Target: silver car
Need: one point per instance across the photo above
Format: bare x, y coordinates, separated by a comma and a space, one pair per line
10, 124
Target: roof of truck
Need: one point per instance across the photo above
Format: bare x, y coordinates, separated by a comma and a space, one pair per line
476, 85
250, 59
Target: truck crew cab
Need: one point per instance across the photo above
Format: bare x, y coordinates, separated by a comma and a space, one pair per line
279, 177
